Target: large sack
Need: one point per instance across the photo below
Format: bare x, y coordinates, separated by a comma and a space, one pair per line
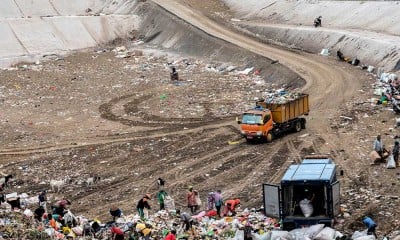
391, 163
169, 203
368, 237
78, 230
28, 213
396, 237
300, 234
375, 156
275, 235
326, 234
358, 234
338, 235
239, 235
306, 207
264, 236
314, 230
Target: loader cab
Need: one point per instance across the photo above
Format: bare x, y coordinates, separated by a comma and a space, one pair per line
312, 177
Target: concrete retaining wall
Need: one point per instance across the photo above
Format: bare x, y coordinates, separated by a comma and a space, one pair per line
30, 29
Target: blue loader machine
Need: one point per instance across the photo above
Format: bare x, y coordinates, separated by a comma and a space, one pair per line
308, 194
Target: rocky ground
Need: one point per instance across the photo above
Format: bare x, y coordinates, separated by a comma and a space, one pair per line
117, 115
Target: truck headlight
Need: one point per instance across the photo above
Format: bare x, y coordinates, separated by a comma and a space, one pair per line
242, 132
259, 133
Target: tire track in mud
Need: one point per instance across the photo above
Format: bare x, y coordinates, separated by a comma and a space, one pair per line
115, 139
150, 120
163, 126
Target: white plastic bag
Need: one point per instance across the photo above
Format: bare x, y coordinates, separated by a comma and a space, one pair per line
368, 237
275, 235
300, 233
326, 234
264, 236
239, 235
28, 213
358, 234
198, 200
169, 203
306, 207
391, 163
314, 230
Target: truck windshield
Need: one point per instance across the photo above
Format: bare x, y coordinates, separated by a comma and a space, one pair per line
250, 118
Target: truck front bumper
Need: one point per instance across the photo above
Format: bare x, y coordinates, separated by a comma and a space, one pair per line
251, 135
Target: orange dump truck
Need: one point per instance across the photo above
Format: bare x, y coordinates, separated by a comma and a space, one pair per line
272, 119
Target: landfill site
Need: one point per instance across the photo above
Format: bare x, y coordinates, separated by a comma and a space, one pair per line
106, 105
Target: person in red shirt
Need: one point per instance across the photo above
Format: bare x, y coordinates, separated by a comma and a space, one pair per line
171, 235
191, 200
117, 233
230, 206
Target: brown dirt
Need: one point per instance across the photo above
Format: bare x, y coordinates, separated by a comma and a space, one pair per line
89, 114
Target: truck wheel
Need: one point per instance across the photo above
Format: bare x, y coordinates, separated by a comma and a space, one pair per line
297, 127
303, 124
269, 137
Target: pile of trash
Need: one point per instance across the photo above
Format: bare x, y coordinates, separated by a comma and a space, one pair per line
21, 223
280, 96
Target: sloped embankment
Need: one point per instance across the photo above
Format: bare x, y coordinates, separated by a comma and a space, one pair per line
165, 30
368, 32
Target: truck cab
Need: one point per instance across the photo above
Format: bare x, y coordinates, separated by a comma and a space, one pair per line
316, 176
256, 123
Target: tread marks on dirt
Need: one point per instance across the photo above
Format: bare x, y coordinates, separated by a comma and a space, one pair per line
131, 108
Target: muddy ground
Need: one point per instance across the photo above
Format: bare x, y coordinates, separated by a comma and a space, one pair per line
122, 119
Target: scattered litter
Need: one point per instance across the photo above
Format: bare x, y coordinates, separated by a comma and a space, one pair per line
371, 69
325, 52
246, 71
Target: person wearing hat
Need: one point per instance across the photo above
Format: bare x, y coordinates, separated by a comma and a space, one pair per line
142, 204
60, 206
191, 200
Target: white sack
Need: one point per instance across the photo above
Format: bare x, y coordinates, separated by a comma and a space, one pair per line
326, 234
306, 207
275, 235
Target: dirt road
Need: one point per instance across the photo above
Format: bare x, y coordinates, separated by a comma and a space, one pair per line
116, 126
